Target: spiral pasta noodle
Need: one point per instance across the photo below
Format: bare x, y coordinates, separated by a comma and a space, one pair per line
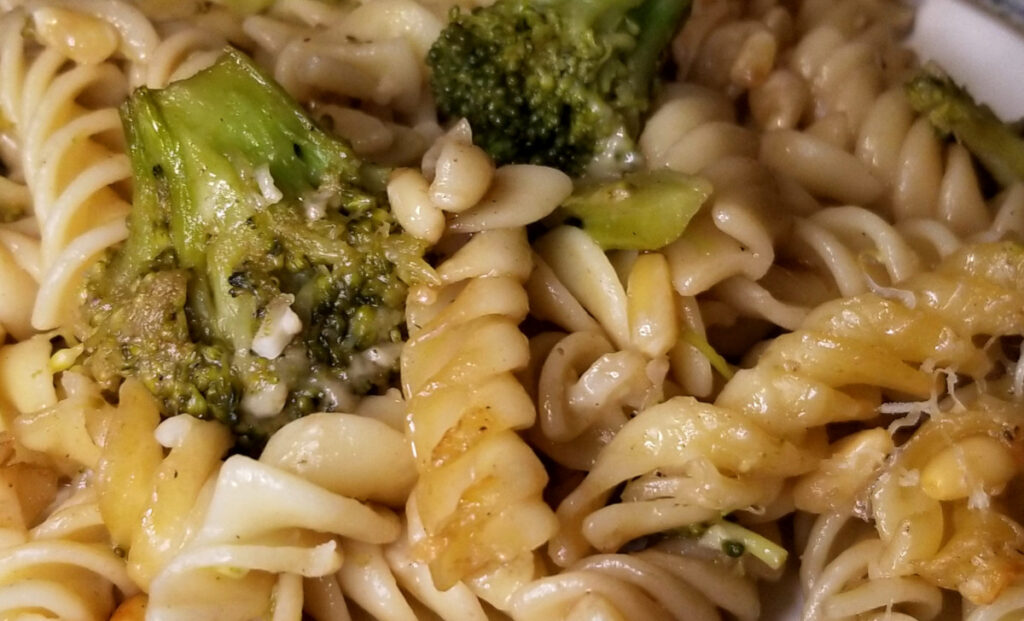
237, 537
180, 54
838, 130
362, 68
261, 525
70, 168
63, 569
775, 412
57, 556
963, 462
627, 339
481, 516
463, 349
731, 243
389, 583
585, 392
852, 249
732, 47
652, 584
836, 100
839, 126
837, 122
939, 503
839, 580
575, 432
859, 250
19, 270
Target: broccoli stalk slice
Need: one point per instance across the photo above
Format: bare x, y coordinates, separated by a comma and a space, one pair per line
247, 221
564, 83
952, 111
641, 211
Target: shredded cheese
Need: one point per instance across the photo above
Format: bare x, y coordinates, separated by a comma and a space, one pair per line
278, 327
265, 181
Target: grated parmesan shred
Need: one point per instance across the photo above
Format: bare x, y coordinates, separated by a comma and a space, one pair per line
903, 296
265, 181
912, 410
316, 204
266, 401
278, 327
978, 500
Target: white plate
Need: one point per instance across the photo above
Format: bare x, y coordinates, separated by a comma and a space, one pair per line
978, 50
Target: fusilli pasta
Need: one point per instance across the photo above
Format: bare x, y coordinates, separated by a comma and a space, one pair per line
573, 432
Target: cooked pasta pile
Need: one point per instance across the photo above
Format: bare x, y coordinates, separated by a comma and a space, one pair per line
823, 371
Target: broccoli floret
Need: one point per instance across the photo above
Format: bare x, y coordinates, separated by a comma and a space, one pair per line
952, 111
145, 331
263, 271
565, 83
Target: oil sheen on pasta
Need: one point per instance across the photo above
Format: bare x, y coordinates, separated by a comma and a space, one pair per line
820, 372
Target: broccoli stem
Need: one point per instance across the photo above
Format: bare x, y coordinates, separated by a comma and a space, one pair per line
156, 226
952, 111
641, 211
658, 20
702, 345
170, 204
599, 15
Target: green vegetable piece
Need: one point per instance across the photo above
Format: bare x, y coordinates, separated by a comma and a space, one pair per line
731, 537
952, 111
564, 83
641, 211
734, 549
702, 345
261, 262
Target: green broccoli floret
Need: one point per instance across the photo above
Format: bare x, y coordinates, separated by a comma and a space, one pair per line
264, 277
565, 83
952, 111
